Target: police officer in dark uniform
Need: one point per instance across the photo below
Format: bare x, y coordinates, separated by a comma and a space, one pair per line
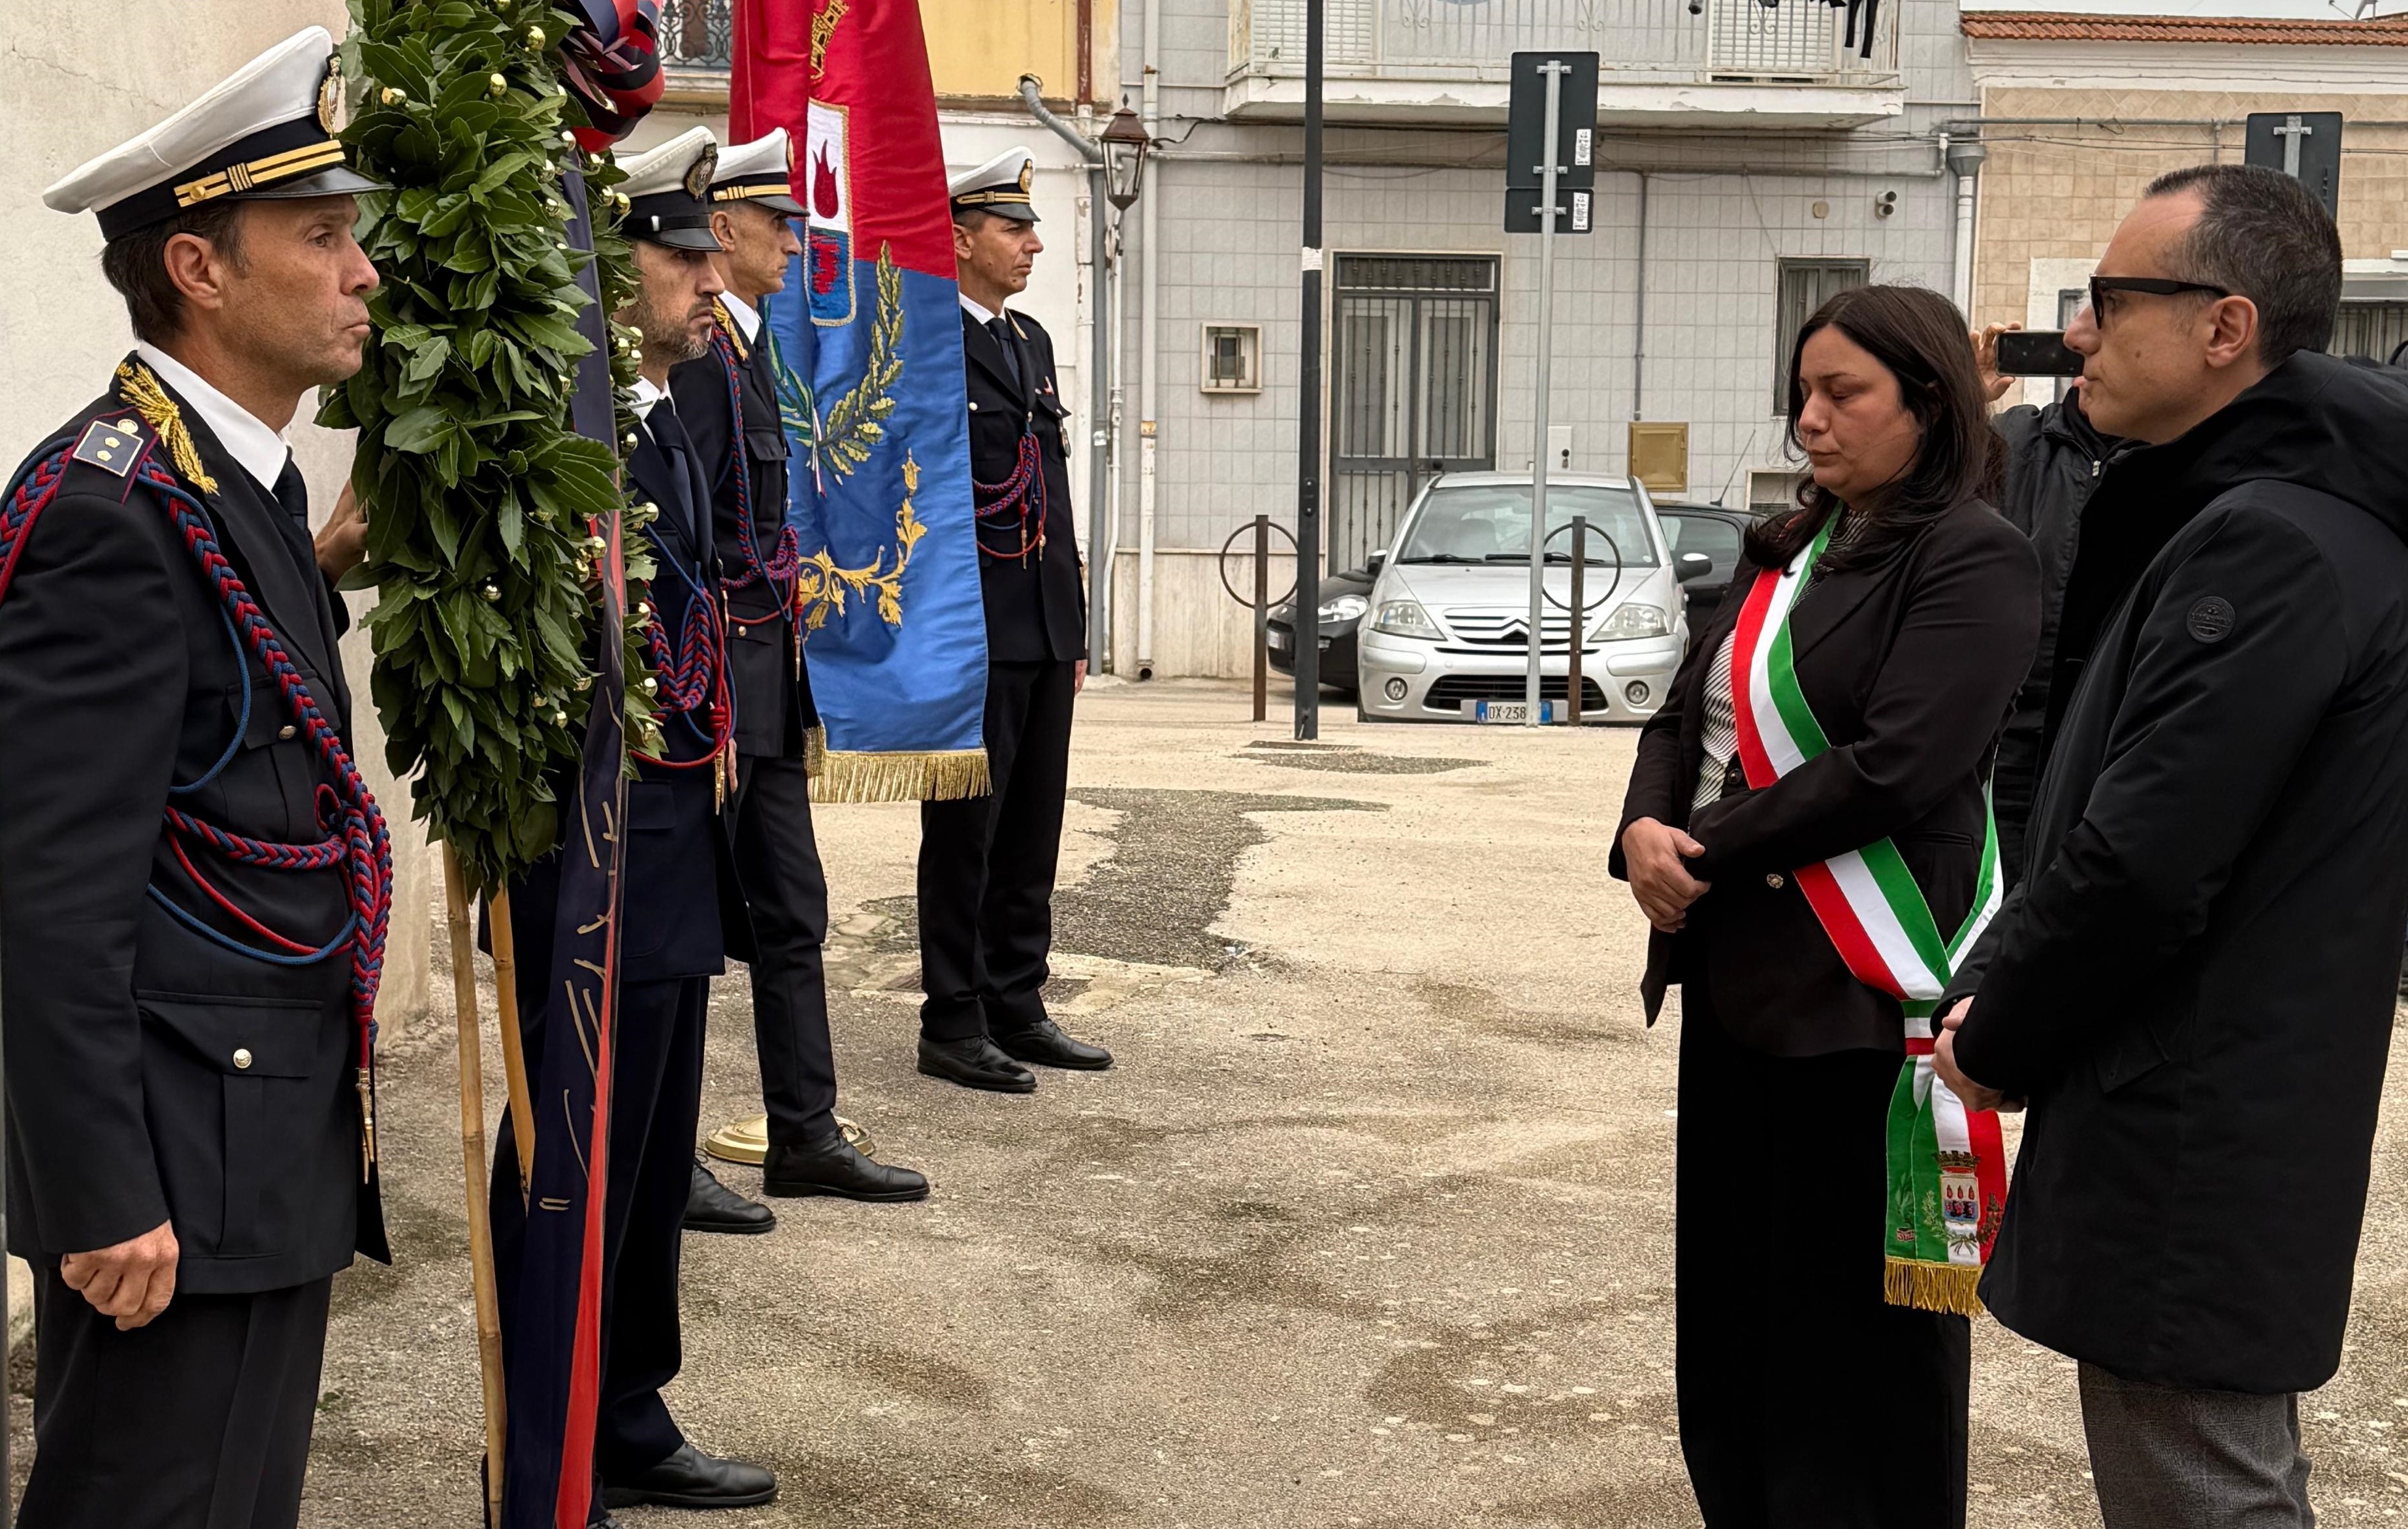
188, 947
728, 401
987, 863
670, 943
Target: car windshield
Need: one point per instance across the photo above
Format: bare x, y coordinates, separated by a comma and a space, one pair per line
1490, 523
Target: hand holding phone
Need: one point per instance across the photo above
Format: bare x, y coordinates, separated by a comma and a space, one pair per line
2036, 352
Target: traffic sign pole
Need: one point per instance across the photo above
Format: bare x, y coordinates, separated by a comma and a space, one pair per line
1554, 70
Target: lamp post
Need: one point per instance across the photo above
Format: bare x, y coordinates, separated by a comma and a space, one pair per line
1115, 168
1126, 146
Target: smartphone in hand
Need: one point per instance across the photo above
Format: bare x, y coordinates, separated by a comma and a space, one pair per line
2036, 352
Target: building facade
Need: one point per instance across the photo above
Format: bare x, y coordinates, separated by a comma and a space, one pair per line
2079, 112
1750, 161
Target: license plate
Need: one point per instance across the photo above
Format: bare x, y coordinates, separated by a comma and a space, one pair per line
1511, 711
1279, 642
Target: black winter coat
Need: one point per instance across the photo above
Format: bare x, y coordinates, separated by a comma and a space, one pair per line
2194, 983
1036, 605
152, 1074
2056, 467
1908, 665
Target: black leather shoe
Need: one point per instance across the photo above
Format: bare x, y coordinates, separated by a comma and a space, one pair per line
975, 1063
832, 1167
712, 1207
691, 1479
1044, 1043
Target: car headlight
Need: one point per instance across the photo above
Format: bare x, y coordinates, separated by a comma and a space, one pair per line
1346, 608
1632, 621
1405, 619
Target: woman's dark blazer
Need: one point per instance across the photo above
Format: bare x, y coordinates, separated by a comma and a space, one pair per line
1909, 665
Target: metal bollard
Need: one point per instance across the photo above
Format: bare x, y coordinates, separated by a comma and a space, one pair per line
1263, 617
1579, 617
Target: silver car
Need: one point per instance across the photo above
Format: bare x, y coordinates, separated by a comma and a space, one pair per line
1449, 624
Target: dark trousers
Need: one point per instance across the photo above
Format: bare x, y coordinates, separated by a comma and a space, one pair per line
987, 863
1807, 1402
198, 1420
785, 896
2202, 1459
655, 1095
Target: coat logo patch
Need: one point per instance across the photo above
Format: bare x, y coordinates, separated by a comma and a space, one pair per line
2210, 620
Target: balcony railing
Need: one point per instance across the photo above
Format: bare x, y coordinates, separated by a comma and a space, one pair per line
697, 37
1637, 41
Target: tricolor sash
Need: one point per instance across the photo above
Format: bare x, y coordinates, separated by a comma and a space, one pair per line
1947, 1164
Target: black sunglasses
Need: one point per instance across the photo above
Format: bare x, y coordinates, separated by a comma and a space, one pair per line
2155, 286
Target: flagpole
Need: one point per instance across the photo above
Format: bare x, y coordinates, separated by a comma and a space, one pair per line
472, 1153
514, 1072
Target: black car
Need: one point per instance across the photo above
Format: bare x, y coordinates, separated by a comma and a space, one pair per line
1345, 599
1707, 532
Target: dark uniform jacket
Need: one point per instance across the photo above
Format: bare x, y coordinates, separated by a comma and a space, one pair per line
773, 689
2057, 467
1909, 665
1036, 605
2193, 984
152, 1074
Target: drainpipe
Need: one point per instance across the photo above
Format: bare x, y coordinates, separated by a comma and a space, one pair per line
1964, 157
1100, 388
1639, 314
1149, 376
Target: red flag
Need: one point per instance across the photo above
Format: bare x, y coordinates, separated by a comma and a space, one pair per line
867, 61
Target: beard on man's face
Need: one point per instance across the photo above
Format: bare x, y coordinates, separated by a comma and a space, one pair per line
666, 336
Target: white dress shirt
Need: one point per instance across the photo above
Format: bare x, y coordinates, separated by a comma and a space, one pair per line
261, 452
747, 317
982, 314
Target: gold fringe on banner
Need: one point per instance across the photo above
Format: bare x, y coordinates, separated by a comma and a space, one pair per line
902, 777
1951, 1288
815, 751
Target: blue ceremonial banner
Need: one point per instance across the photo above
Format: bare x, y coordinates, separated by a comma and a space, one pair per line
868, 344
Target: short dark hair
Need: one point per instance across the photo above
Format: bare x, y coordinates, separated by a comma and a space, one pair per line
2260, 236
1921, 341
136, 265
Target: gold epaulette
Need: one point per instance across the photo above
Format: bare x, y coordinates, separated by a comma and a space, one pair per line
726, 323
142, 392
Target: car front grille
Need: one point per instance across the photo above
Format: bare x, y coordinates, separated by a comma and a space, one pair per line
1490, 630
1449, 694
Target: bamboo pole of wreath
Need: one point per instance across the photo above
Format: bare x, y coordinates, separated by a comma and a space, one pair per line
481, 498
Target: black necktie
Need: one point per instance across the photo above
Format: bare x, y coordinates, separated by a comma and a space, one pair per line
293, 493
1000, 328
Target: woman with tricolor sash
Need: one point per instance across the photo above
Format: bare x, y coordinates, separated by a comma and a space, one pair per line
1808, 831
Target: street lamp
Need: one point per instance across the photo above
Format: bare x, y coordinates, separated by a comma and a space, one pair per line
1125, 146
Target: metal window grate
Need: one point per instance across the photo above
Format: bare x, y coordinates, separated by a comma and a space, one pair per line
697, 34
2371, 329
1233, 358
1805, 286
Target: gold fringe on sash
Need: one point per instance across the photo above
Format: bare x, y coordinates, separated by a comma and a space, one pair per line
815, 751
1952, 1288
901, 778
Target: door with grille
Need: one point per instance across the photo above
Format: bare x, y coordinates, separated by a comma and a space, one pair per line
1415, 343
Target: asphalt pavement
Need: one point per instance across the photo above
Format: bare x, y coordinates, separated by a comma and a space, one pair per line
1371, 1224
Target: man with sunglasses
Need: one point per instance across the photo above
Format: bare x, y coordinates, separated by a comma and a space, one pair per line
2192, 983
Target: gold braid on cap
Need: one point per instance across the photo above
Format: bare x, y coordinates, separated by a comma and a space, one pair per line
139, 388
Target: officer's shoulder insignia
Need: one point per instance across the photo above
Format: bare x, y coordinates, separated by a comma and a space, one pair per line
2212, 620
113, 443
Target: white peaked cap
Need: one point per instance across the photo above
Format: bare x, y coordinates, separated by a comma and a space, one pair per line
1000, 186
266, 131
665, 189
